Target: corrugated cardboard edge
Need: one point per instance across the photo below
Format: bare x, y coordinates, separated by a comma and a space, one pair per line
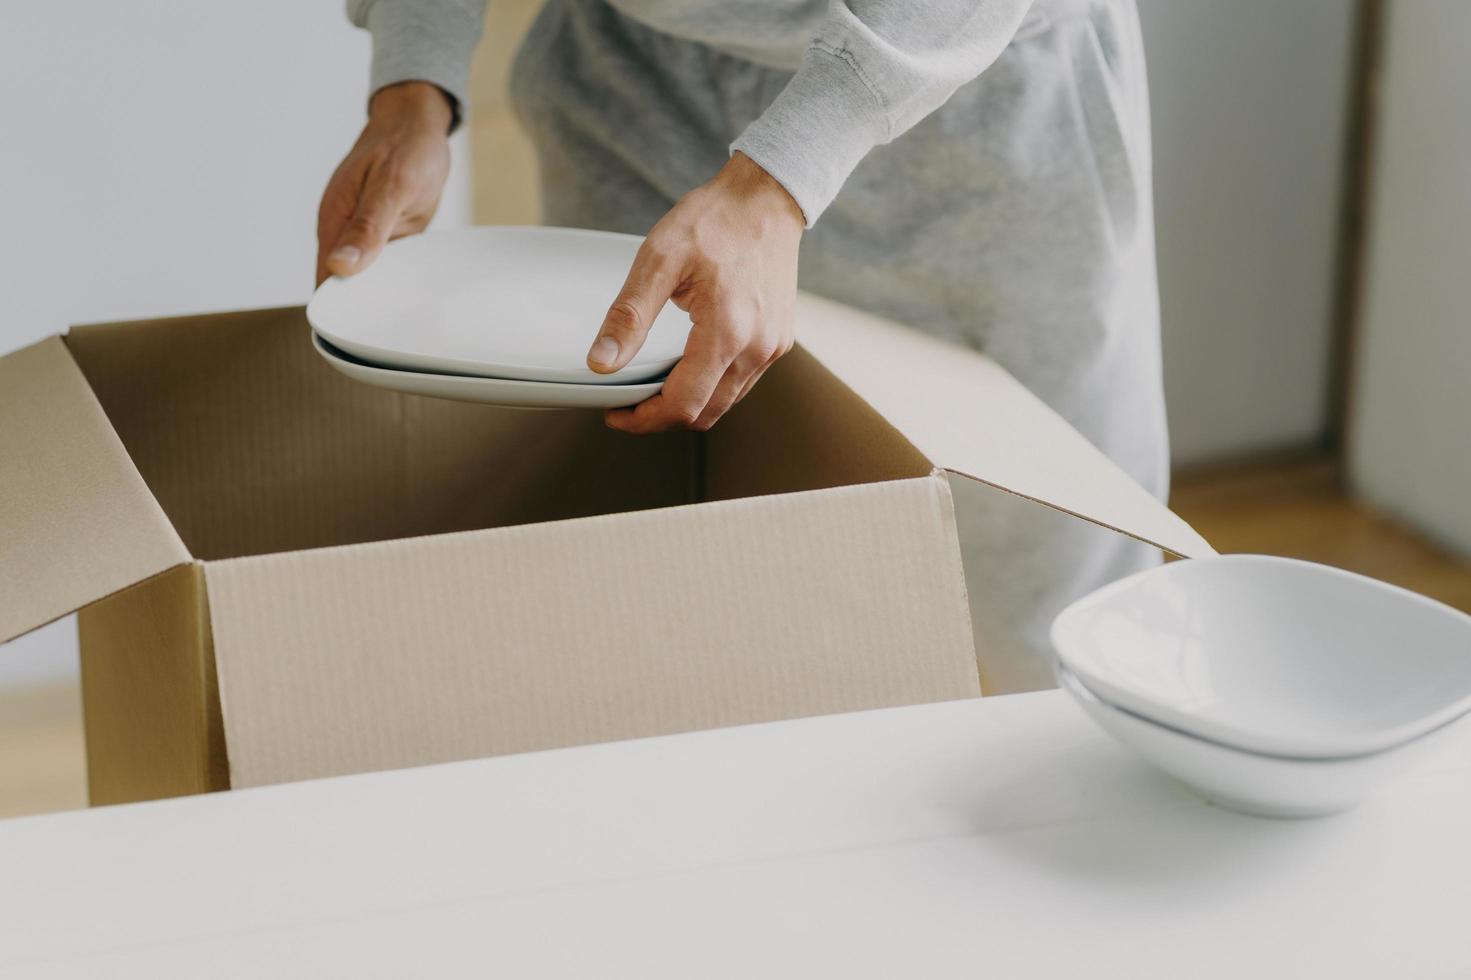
426, 650
149, 696
1201, 550
1028, 450
77, 521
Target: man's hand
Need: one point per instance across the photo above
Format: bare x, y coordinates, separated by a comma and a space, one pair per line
726, 254
390, 183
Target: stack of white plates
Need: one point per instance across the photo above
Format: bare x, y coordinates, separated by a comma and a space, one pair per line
1271, 686
497, 315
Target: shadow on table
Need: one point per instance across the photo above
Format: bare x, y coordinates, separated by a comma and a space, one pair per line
1093, 811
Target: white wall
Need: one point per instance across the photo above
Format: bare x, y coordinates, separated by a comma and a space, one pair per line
1249, 100
161, 157
1410, 447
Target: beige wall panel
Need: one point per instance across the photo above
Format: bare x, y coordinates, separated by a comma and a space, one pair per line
505, 164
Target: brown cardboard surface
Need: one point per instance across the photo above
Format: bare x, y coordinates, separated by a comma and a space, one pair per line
76, 520
972, 417
351, 632
253, 445
149, 696
508, 640
803, 429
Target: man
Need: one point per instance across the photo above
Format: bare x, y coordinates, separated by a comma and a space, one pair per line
978, 169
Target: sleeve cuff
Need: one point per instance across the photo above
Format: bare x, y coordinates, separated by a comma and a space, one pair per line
409, 46
817, 130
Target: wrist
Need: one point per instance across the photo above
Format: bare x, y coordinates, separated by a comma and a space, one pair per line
748, 179
419, 102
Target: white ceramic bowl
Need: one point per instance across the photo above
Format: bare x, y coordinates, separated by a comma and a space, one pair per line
1247, 782
1272, 655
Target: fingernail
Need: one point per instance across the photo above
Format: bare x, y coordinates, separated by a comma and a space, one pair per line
346, 254
604, 351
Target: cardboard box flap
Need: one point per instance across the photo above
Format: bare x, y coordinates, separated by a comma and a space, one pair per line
410, 652
971, 417
77, 522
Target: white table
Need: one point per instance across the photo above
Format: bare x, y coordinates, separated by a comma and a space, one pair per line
1003, 838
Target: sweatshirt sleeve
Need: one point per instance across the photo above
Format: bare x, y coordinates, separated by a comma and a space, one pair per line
422, 40
873, 70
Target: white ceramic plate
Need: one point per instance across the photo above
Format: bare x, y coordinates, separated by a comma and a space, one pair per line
1272, 655
1261, 785
491, 391
522, 303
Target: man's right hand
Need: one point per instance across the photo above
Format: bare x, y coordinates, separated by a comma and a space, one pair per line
390, 182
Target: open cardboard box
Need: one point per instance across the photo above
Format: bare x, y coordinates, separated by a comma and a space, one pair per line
304, 576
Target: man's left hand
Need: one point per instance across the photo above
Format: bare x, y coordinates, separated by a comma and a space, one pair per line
727, 255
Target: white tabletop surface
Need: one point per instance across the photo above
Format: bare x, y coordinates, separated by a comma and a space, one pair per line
1004, 837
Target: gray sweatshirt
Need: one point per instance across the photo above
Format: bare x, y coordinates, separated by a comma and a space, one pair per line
865, 71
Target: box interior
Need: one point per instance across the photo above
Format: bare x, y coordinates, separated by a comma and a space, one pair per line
253, 445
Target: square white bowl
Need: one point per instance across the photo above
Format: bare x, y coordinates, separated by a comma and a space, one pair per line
1272, 655
1247, 782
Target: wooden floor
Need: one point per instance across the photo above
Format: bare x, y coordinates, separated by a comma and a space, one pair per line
43, 764
1297, 508
1292, 508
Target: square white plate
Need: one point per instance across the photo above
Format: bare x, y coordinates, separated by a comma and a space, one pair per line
505, 392
499, 302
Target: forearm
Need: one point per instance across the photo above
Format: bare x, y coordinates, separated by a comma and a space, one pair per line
422, 40
872, 71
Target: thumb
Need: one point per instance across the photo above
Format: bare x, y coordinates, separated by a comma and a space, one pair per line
654, 277
368, 230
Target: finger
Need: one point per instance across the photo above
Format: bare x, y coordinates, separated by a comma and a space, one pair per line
654, 276
365, 233
723, 397
408, 224
750, 383
338, 201
741, 374
756, 376
683, 398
